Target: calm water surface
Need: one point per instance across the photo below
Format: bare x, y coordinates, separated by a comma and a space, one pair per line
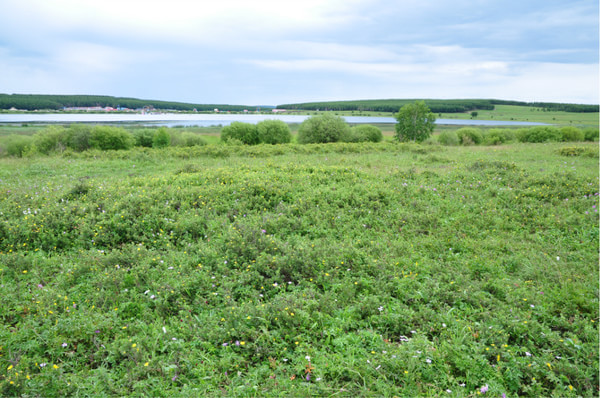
204, 120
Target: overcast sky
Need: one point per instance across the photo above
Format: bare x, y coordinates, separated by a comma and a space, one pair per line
267, 52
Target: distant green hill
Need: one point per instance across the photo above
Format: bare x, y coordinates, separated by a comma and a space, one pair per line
57, 102
436, 106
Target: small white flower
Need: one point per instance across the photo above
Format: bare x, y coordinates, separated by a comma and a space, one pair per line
527, 353
307, 358
380, 308
164, 330
64, 344
152, 297
557, 258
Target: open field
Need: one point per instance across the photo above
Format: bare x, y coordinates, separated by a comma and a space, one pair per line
299, 270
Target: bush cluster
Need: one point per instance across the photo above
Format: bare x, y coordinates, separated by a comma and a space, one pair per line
81, 137
265, 132
327, 128
362, 133
498, 136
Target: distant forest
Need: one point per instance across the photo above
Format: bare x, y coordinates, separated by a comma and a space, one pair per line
32, 102
436, 106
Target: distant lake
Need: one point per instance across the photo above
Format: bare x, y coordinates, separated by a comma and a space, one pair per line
205, 120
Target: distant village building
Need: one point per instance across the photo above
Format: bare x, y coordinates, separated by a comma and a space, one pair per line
279, 110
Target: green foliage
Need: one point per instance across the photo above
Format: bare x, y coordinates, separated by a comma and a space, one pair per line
591, 134
51, 139
161, 138
186, 139
322, 129
273, 132
57, 102
578, 151
79, 137
415, 122
498, 136
387, 269
539, 134
436, 106
144, 137
362, 133
110, 138
246, 133
474, 114
570, 133
448, 137
470, 136
17, 145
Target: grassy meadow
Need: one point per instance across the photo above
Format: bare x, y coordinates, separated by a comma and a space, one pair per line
301, 270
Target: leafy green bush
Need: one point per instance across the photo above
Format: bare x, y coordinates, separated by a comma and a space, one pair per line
51, 139
161, 138
16, 145
448, 138
110, 138
244, 132
362, 133
570, 133
591, 134
273, 132
143, 137
497, 136
539, 134
78, 137
322, 129
469, 136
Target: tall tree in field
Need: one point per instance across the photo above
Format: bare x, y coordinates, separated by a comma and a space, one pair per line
415, 122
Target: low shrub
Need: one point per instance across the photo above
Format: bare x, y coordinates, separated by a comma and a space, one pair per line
51, 139
186, 139
591, 134
448, 138
469, 136
143, 137
362, 133
322, 129
244, 132
17, 145
161, 138
498, 136
78, 137
273, 132
539, 134
570, 133
110, 138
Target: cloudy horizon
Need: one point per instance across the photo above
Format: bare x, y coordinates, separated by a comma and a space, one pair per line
276, 52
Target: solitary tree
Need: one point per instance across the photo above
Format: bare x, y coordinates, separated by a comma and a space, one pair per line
415, 122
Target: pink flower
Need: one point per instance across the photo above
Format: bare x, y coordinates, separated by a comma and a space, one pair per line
484, 389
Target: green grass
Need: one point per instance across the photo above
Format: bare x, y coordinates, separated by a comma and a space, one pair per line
529, 114
384, 269
505, 113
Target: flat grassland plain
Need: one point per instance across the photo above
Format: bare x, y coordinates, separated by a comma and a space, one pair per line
301, 270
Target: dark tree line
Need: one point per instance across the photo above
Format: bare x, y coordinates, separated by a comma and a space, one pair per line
56, 102
436, 106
